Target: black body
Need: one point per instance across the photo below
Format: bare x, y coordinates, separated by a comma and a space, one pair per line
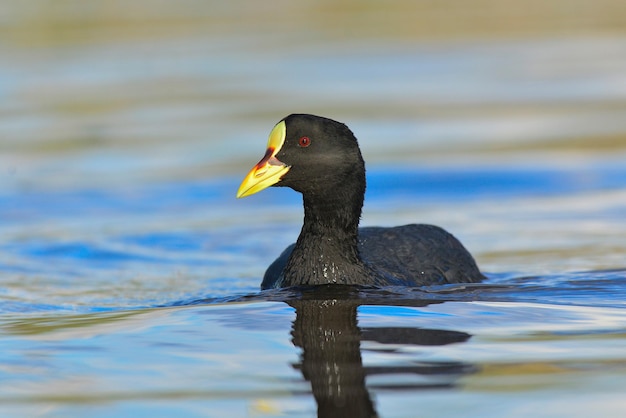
329, 172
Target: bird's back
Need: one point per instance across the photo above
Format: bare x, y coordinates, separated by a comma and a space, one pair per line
408, 255
417, 255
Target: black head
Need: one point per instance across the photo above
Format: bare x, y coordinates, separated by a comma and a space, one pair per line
310, 154
322, 153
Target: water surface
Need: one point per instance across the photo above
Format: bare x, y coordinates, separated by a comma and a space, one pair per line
129, 273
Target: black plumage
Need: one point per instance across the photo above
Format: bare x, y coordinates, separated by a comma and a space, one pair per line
320, 158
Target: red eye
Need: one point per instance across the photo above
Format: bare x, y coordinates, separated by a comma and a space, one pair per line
304, 142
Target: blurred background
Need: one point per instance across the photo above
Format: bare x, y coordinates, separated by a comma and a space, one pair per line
107, 92
125, 129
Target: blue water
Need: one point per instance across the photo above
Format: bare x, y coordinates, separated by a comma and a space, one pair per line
129, 273
144, 301
86, 237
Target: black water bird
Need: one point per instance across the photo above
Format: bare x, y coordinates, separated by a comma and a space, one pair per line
320, 158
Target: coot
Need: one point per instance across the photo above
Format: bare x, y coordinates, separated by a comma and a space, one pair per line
320, 158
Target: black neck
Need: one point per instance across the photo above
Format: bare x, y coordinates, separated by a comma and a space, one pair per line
326, 251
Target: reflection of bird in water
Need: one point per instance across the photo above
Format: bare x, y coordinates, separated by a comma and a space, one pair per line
327, 332
320, 158
329, 337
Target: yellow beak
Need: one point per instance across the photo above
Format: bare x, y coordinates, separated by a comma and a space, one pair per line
269, 170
